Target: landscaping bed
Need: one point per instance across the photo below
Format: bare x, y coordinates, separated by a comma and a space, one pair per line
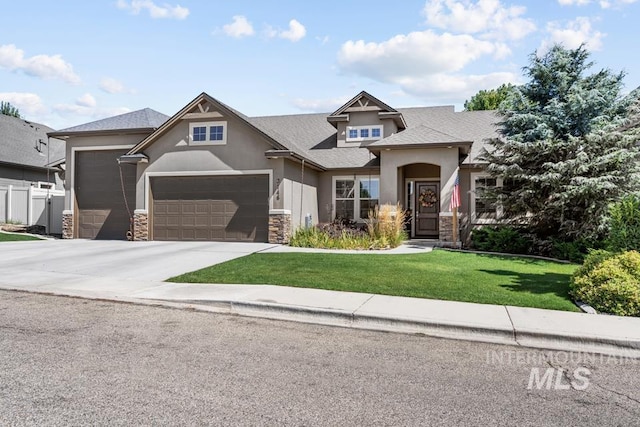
455, 276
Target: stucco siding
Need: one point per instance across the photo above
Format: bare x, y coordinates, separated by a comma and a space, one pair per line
300, 199
25, 177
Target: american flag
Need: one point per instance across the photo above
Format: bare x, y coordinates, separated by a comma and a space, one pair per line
455, 196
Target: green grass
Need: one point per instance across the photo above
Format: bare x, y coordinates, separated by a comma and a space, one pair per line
446, 275
10, 237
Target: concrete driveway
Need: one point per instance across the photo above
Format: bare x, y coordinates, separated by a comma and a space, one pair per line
74, 260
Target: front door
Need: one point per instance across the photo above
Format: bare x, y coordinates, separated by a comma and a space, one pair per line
427, 209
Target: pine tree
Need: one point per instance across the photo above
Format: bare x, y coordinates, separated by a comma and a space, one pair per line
566, 149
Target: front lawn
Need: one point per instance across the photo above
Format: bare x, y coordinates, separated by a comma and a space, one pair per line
10, 237
446, 275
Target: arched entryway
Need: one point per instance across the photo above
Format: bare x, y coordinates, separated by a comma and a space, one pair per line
422, 197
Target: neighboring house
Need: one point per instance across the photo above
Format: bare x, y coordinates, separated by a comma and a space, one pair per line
26, 154
212, 173
31, 170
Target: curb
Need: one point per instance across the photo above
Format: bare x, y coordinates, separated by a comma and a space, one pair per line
347, 319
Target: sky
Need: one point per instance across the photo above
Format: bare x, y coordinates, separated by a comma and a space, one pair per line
69, 62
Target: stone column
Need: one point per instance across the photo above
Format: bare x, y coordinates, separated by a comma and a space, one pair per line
446, 228
140, 225
67, 224
279, 226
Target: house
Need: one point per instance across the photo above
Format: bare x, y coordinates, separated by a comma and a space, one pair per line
31, 175
27, 156
211, 173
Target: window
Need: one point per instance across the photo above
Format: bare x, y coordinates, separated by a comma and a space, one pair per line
216, 133
212, 133
200, 133
485, 207
354, 197
364, 133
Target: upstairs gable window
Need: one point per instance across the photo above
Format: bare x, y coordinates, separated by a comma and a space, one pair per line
210, 133
364, 133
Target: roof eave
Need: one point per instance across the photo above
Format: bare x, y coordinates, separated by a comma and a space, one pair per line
288, 154
132, 131
378, 148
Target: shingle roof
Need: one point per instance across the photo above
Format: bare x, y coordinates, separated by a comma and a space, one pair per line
140, 119
419, 135
26, 143
314, 138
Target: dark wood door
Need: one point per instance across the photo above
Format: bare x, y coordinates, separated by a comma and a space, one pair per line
427, 210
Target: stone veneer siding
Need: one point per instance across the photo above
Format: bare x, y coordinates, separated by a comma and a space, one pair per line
446, 229
67, 225
140, 226
279, 228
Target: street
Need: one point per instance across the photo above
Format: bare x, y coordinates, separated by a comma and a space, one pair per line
67, 361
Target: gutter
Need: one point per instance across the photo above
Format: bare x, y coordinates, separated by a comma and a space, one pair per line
288, 154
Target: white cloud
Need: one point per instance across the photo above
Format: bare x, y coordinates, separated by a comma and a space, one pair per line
240, 27
43, 66
296, 31
447, 87
155, 11
86, 100
574, 2
29, 104
607, 4
323, 40
414, 55
319, 105
112, 86
572, 35
489, 18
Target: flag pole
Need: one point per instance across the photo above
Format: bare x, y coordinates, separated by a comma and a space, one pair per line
455, 227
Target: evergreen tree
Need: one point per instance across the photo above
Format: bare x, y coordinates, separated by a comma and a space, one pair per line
567, 149
9, 110
488, 99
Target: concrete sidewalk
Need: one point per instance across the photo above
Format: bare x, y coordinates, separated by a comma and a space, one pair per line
546, 329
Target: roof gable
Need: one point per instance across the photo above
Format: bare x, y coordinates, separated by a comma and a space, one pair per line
203, 107
364, 102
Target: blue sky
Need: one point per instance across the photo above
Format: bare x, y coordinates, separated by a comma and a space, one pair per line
68, 62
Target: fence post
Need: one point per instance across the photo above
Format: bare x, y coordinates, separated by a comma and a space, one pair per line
30, 206
9, 207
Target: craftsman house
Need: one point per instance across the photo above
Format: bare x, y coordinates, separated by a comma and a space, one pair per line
211, 173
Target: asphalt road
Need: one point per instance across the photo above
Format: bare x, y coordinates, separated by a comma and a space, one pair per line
66, 361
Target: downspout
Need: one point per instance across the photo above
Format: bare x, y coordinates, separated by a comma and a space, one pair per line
301, 190
129, 234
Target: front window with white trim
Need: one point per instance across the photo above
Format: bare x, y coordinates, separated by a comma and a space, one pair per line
208, 133
355, 196
484, 205
364, 133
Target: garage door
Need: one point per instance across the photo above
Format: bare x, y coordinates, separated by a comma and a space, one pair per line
222, 208
101, 209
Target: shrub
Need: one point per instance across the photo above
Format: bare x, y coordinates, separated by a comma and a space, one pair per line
386, 225
624, 223
609, 282
501, 239
384, 229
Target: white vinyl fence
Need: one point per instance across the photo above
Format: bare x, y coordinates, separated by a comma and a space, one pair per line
32, 206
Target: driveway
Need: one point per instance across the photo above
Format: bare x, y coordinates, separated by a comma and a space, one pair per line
73, 260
